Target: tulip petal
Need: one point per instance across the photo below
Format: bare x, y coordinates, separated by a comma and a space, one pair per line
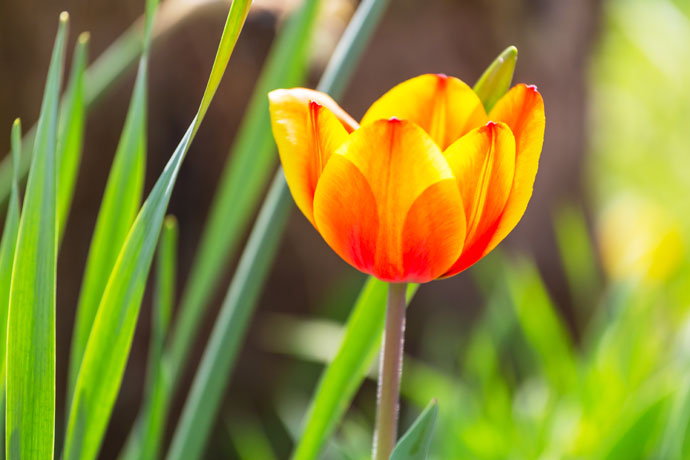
308, 127
483, 162
388, 204
445, 107
522, 109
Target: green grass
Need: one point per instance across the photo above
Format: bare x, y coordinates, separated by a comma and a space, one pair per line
30, 381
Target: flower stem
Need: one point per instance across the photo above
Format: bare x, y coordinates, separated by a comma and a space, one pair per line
390, 372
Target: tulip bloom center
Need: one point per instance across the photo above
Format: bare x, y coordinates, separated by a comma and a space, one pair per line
425, 186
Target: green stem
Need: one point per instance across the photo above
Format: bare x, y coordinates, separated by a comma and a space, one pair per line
390, 373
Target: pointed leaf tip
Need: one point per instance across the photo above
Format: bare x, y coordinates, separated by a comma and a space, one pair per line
496, 79
414, 445
64, 17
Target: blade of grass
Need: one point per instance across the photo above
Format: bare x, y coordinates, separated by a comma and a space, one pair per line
541, 325
242, 182
202, 403
344, 375
146, 444
214, 370
675, 445
121, 201
249, 438
107, 70
7, 247
578, 256
109, 344
71, 132
30, 422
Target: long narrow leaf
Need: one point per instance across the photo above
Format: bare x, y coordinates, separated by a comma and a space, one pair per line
30, 383
7, 246
249, 438
252, 156
541, 326
231, 326
243, 181
108, 347
121, 201
71, 133
146, 444
223, 346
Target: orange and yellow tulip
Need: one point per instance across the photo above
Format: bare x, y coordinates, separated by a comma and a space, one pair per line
425, 186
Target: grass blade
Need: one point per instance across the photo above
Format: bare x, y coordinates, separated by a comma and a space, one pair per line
249, 438
242, 182
415, 443
541, 326
214, 371
119, 207
219, 357
7, 246
108, 347
30, 429
146, 444
71, 133
578, 256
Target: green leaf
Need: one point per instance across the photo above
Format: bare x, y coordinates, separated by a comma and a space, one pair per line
121, 201
578, 256
249, 438
638, 427
71, 133
230, 329
199, 410
496, 79
31, 324
414, 445
7, 247
242, 184
243, 181
675, 444
347, 371
541, 326
147, 442
109, 344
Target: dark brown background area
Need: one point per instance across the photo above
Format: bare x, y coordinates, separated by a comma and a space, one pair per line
455, 37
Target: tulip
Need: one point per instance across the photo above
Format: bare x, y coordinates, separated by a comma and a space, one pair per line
425, 186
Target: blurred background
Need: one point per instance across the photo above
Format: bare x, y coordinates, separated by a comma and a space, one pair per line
568, 342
